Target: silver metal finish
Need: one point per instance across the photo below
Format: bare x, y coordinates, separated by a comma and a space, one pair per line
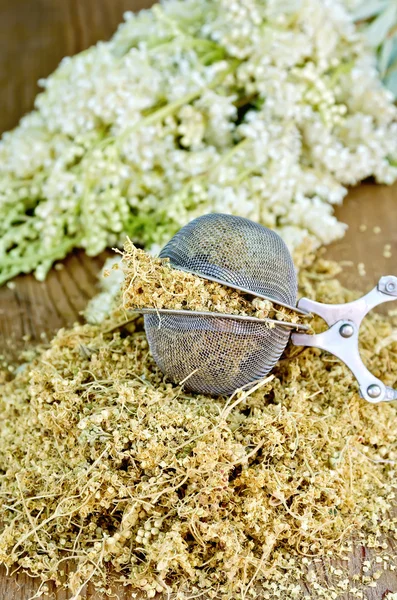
204, 313
342, 317
346, 330
237, 252
215, 354
218, 353
374, 391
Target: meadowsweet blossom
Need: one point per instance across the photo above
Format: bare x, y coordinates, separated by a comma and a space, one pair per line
262, 108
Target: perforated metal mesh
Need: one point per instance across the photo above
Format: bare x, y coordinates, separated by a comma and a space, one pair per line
216, 355
238, 251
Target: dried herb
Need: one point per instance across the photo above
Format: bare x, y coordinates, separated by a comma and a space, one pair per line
107, 466
153, 283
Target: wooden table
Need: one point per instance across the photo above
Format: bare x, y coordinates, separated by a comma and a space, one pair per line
34, 35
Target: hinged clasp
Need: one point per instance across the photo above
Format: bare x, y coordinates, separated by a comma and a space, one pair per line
341, 339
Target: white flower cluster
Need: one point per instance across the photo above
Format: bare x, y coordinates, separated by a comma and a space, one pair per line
110, 282
261, 108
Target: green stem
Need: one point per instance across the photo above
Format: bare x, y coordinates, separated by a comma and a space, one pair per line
243, 175
343, 69
391, 69
37, 257
56, 253
169, 109
226, 157
35, 180
188, 42
160, 113
245, 100
213, 57
223, 160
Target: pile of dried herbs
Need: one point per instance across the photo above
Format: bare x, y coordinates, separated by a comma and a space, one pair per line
152, 283
107, 467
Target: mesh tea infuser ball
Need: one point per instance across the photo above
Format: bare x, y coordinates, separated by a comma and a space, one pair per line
217, 353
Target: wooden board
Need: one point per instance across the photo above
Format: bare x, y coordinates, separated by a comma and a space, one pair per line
34, 35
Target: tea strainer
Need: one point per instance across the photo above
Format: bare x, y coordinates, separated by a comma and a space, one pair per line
216, 353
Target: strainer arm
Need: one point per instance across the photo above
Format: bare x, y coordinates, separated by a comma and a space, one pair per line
341, 339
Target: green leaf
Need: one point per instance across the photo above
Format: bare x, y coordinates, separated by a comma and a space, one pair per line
366, 10
392, 64
377, 31
391, 83
385, 56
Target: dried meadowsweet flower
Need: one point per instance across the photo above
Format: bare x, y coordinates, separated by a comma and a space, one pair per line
264, 109
152, 283
109, 467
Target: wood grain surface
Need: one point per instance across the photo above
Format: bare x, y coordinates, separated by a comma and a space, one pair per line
34, 36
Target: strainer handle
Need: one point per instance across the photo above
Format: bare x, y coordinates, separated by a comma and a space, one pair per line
341, 339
